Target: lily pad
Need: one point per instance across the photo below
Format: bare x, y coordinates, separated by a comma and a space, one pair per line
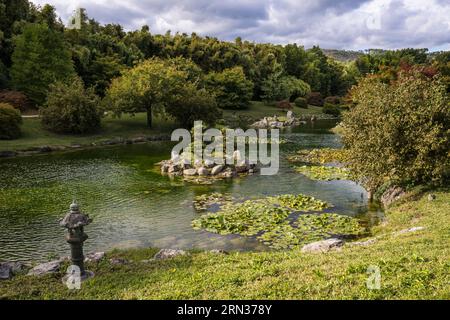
204, 201
324, 172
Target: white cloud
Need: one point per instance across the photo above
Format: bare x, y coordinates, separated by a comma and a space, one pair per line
346, 24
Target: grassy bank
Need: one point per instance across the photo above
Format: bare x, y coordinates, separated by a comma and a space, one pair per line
33, 135
413, 265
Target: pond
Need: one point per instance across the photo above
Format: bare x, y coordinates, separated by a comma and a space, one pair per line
134, 206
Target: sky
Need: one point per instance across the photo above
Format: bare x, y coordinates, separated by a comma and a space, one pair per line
331, 24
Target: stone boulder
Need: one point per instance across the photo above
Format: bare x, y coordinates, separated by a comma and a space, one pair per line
45, 268
323, 246
189, 172
5, 271
168, 254
202, 171
94, 257
217, 169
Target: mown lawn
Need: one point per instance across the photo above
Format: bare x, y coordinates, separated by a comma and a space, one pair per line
259, 110
33, 135
413, 265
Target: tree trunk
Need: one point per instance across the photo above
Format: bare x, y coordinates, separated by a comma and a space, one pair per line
149, 117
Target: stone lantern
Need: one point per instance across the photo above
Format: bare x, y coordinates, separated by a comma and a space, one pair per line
74, 222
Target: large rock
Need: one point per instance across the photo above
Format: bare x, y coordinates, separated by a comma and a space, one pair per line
217, 169
173, 168
202, 171
209, 163
168, 253
391, 195
94, 257
45, 268
5, 271
189, 172
323, 246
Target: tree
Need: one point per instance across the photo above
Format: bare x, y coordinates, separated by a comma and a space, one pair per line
149, 87
398, 132
40, 58
70, 108
231, 87
194, 104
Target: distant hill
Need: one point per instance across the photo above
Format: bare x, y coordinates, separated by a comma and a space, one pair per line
343, 55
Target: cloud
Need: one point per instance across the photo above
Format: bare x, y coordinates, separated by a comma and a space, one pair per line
345, 24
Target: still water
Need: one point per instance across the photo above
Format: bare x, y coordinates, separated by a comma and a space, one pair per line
134, 206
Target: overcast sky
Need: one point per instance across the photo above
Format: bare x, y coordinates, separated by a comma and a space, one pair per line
338, 24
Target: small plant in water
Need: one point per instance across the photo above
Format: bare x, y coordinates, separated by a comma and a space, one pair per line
267, 219
324, 172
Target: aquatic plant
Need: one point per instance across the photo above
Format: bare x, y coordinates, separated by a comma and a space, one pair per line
324, 172
298, 202
319, 156
267, 219
204, 201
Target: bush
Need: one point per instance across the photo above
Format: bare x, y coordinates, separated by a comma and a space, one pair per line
301, 103
333, 100
315, 99
331, 109
71, 109
10, 121
398, 132
284, 105
231, 87
16, 99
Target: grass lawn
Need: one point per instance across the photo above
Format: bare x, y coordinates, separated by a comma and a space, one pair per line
33, 135
259, 110
413, 265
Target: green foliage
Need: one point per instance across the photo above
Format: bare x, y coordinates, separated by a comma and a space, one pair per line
332, 109
71, 109
40, 58
232, 89
399, 132
301, 102
194, 104
10, 121
150, 86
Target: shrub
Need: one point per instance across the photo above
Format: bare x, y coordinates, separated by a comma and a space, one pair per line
10, 121
231, 87
71, 109
301, 103
16, 99
315, 99
331, 109
333, 100
398, 132
284, 105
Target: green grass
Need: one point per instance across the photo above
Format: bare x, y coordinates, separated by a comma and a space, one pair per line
33, 135
413, 266
259, 110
